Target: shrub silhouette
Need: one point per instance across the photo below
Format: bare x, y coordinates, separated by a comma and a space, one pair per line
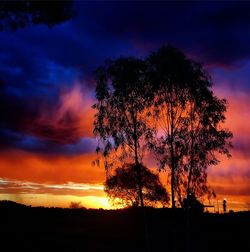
122, 187
193, 203
75, 205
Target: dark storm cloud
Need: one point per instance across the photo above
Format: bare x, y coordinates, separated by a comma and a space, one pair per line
12, 139
224, 33
37, 62
101, 30
232, 13
235, 78
44, 126
15, 110
218, 32
242, 146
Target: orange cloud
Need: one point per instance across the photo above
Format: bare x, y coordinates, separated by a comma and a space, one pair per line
69, 120
47, 180
31, 167
238, 113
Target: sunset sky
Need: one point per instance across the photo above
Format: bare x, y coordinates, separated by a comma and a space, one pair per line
47, 89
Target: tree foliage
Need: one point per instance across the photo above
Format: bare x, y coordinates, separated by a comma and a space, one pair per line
205, 139
191, 202
75, 205
122, 118
19, 14
172, 77
189, 118
122, 187
164, 103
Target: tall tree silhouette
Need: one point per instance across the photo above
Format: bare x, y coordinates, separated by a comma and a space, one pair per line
122, 118
205, 138
188, 118
122, 187
19, 14
169, 75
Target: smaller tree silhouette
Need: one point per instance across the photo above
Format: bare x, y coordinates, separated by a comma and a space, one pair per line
122, 123
75, 204
122, 187
191, 202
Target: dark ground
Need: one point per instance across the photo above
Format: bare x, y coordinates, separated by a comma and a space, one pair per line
54, 229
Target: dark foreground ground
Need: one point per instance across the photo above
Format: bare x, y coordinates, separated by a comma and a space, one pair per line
54, 229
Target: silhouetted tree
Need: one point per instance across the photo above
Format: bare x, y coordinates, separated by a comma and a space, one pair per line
169, 75
188, 118
191, 202
19, 14
122, 187
75, 204
205, 138
122, 118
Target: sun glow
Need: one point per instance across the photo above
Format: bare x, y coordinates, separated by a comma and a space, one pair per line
50, 200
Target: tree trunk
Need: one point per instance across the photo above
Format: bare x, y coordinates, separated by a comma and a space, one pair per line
172, 155
137, 164
139, 177
138, 169
191, 157
172, 176
190, 171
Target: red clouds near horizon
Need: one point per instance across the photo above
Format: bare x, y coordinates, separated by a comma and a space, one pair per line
57, 169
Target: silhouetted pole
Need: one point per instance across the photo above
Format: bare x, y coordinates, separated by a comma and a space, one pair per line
225, 205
